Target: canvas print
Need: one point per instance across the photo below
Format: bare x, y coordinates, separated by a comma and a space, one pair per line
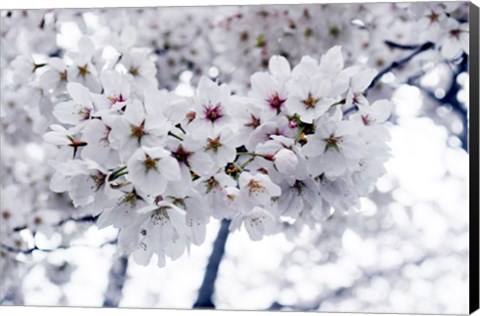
307, 157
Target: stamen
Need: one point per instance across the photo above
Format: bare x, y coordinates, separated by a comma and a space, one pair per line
213, 113
310, 101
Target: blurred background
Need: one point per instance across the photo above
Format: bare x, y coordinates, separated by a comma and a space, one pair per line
404, 251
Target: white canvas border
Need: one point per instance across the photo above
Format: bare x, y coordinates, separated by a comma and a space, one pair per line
57, 311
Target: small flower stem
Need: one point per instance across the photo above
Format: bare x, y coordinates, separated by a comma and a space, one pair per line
179, 126
299, 135
253, 155
175, 136
246, 163
338, 103
118, 173
245, 154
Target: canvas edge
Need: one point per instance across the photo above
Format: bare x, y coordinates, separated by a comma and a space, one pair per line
474, 158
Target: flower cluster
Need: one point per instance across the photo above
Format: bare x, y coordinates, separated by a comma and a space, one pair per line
281, 145
159, 166
377, 34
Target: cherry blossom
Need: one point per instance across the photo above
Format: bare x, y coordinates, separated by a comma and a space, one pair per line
265, 116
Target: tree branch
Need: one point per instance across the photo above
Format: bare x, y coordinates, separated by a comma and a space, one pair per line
451, 98
396, 64
83, 219
116, 280
205, 294
402, 46
30, 250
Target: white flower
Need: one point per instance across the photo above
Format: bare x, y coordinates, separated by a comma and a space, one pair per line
124, 212
309, 97
212, 109
221, 147
137, 128
81, 179
65, 137
248, 118
140, 68
96, 135
55, 76
279, 126
359, 82
268, 89
431, 22
150, 169
258, 222
376, 113
190, 155
163, 232
340, 193
331, 63
77, 110
215, 189
82, 70
15, 207
333, 148
456, 39
196, 208
24, 67
167, 104
116, 88
258, 189
308, 66
298, 195
282, 151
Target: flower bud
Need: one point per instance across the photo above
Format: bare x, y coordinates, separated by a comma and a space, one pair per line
286, 161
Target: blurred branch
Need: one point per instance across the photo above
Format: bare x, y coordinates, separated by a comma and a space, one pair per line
83, 219
116, 282
402, 46
86, 218
29, 250
417, 49
35, 248
451, 98
205, 294
14, 296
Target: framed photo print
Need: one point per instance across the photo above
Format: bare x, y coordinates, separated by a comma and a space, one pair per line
315, 157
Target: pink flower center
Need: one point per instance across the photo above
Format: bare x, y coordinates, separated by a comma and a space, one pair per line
276, 102
181, 155
455, 33
85, 113
366, 120
104, 140
213, 113
254, 122
292, 123
114, 99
